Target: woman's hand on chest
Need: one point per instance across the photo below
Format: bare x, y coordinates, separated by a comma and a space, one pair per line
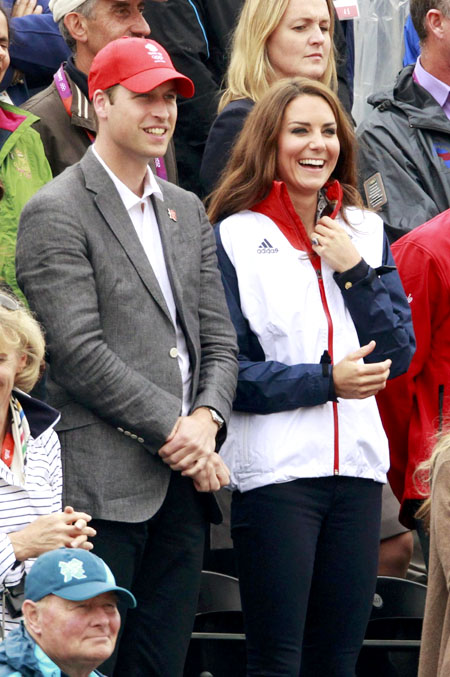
334, 245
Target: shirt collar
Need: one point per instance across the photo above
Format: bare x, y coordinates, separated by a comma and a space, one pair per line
130, 199
47, 666
77, 76
438, 89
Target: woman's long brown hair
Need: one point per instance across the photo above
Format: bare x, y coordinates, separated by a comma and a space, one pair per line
252, 166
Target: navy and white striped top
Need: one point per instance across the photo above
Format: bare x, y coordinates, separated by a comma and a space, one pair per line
39, 495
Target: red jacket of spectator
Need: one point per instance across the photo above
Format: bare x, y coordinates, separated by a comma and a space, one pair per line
415, 405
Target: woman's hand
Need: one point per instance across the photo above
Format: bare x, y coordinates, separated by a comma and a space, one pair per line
334, 245
354, 380
66, 529
25, 7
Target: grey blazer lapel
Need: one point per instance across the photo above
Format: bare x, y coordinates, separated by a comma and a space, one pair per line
172, 242
113, 211
169, 230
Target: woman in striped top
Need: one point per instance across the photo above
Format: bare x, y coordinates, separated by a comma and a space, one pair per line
31, 520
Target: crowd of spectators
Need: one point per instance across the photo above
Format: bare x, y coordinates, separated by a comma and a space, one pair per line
160, 353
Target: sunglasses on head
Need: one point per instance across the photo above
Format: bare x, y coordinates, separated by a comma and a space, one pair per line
8, 302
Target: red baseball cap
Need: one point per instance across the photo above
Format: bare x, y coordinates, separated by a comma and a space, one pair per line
137, 64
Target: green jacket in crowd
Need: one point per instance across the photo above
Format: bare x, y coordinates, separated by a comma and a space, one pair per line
23, 170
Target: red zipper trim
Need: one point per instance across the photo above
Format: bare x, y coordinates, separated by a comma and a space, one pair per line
318, 268
299, 239
317, 265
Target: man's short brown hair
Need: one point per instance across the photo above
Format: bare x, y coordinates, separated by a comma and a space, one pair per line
419, 10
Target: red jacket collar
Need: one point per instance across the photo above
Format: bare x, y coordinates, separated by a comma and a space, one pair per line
278, 207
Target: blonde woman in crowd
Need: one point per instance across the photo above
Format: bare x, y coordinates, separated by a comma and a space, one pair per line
273, 39
435, 649
31, 520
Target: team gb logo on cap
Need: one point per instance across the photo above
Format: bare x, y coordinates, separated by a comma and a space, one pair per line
155, 54
72, 569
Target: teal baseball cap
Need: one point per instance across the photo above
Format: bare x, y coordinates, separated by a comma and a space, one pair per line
73, 574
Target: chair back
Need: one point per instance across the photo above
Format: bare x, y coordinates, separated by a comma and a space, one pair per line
217, 648
392, 641
218, 592
398, 598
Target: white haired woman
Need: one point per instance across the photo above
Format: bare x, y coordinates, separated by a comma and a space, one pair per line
31, 520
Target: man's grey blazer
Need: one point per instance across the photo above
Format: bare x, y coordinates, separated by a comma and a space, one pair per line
113, 369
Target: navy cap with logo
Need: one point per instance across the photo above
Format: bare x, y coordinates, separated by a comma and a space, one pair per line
73, 574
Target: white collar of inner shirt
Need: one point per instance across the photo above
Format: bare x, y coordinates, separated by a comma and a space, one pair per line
127, 196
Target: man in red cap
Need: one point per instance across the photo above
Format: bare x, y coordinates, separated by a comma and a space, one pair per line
121, 270
67, 123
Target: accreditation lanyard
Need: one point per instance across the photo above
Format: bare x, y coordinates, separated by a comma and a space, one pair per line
7, 451
66, 96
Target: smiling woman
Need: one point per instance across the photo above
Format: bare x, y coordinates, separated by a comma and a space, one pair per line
308, 149
306, 449
301, 116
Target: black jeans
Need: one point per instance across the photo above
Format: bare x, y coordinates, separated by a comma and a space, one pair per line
160, 561
307, 556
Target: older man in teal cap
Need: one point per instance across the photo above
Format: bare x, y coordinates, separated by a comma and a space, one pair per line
71, 621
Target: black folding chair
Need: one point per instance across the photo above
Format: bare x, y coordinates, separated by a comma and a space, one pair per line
392, 642
217, 647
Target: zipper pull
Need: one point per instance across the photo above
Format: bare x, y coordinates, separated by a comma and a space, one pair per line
325, 361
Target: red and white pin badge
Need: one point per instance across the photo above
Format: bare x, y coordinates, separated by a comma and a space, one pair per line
172, 214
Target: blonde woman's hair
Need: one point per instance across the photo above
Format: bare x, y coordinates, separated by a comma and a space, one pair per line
423, 475
250, 74
19, 331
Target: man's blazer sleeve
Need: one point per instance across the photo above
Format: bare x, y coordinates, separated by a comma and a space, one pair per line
218, 342
55, 272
